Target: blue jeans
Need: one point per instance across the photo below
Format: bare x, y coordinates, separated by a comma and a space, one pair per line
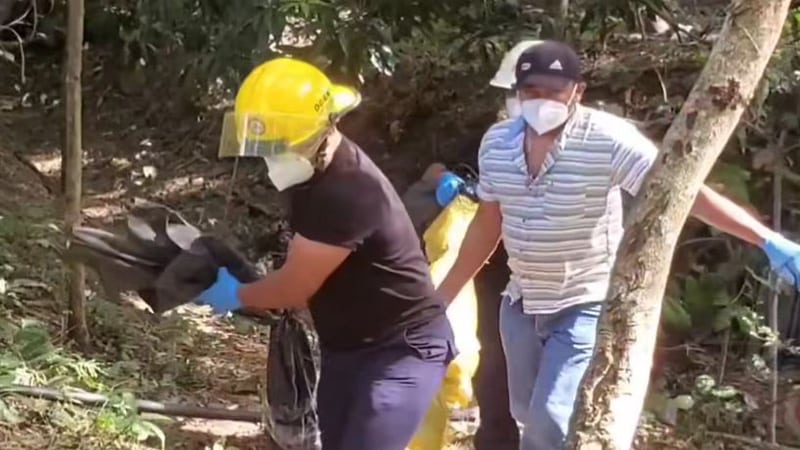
547, 356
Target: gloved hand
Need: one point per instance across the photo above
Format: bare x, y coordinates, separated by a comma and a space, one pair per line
223, 295
449, 187
784, 258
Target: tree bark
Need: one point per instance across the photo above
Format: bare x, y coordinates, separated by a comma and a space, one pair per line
612, 393
559, 13
72, 167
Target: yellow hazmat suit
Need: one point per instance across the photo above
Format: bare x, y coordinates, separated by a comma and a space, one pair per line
442, 242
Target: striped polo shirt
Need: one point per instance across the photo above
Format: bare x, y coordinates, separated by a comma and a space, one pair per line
561, 228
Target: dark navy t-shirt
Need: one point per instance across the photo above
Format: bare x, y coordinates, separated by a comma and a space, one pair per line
384, 285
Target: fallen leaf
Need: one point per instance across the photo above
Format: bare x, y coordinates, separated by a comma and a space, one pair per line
149, 172
26, 283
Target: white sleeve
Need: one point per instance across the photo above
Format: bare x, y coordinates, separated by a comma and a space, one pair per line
634, 155
485, 188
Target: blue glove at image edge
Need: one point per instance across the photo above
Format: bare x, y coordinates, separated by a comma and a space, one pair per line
782, 254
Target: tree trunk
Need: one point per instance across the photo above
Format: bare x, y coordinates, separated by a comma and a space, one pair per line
559, 13
612, 394
72, 167
562, 15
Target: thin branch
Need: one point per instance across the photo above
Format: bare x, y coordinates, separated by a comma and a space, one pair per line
777, 209
787, 174
751, 442
229, 195
32, 8
18, 20
663, 86
726, 342
142, 406
21, 45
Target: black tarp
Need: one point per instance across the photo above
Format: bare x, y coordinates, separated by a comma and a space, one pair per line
169, 262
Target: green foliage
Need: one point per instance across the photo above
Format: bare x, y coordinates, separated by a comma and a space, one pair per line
704, 405
30, 358
120, 418
719, 406
224, 39
736, 180
601, 17
705, 306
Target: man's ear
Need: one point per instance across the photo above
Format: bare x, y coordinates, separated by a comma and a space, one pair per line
579, 90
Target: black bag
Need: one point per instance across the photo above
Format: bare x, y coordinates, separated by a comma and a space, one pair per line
168, 262
291, 390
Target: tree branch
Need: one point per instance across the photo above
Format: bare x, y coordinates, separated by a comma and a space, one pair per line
612, 393
142, 406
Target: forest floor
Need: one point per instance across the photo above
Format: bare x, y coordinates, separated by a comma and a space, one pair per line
147, 145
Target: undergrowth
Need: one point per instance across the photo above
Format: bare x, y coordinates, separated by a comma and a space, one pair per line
133, 355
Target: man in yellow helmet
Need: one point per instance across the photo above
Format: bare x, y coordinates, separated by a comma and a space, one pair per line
354, 260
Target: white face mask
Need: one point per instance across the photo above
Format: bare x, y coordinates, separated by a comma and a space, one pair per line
513, 107
545, 115
288, 169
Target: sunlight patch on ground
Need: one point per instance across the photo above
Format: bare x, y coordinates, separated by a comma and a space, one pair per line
222, 428
102, 211
189, 184
48, 163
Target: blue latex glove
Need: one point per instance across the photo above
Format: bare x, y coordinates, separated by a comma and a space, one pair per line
449, 187
223, 295
784, 258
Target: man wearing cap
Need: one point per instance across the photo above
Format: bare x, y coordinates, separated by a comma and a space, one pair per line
550, 186
497, 429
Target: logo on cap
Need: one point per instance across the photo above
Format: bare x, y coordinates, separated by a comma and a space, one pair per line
525, 66
556, 65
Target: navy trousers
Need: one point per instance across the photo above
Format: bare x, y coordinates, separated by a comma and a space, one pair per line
375, 398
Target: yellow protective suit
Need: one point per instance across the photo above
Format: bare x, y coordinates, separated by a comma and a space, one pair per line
442, 242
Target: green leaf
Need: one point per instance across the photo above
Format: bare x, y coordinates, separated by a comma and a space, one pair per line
8, 414
32, 341
675, 317
143, 430
722, 321
724, 392
683, 402
704, 384
702, 297
734, 178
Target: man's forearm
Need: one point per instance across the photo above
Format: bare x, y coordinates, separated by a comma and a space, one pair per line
270, 292
721, 213
479, 243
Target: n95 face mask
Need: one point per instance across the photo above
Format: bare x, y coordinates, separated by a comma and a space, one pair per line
288, 169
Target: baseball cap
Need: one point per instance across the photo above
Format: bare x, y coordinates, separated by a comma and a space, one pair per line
551, 64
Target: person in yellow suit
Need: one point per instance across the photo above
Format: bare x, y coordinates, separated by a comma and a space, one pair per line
442, 239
